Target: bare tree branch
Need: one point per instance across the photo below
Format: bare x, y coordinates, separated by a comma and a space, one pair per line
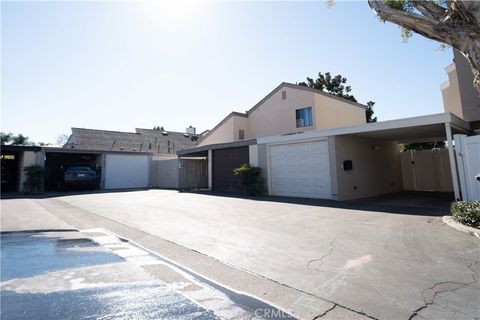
429, 9
425, 26
458, 26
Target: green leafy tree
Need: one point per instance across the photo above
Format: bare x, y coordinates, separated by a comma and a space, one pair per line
425, 145
21, 140
369, 112
337, 85
6, 138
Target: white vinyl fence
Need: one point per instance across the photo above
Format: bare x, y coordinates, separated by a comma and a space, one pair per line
426, 170
467, 150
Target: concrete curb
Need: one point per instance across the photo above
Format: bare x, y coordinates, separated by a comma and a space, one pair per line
448, 220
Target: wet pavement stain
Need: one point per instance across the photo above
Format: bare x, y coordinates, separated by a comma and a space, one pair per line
72, 275
27, 255
133, 301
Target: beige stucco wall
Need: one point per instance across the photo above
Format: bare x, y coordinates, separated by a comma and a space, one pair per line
240, 123
29, 158
468, 94
459, 95
228, 131
277, 116
376, 167
224, 133
333, 113
451, 93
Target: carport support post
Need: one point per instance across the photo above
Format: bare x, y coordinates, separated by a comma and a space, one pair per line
453, 163
210, 161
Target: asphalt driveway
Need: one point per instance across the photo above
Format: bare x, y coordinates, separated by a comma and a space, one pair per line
374, 263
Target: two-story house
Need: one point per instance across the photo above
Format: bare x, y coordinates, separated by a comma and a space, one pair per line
315, 145
289, 108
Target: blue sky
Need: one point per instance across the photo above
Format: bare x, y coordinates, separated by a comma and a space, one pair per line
122, 65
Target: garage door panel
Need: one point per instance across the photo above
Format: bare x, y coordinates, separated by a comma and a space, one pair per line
126, 171
224, 161
300, 170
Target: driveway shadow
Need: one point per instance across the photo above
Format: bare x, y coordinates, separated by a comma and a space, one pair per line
410, 203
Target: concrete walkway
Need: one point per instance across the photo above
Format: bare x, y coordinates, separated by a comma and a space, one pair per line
331, 261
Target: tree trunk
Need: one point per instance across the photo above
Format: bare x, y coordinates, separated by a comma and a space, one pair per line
456, 25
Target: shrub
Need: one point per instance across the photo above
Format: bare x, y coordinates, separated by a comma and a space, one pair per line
34, 179
251, 179
466, 212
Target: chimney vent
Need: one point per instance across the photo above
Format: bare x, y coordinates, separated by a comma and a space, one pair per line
190, 130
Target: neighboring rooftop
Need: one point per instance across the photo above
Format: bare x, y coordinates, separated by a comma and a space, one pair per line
142, 140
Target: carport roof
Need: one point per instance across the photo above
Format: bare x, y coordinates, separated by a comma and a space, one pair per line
203, 150
415, 129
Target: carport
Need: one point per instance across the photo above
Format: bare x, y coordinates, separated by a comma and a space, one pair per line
222, 159
58, 159
358, 161
115, 170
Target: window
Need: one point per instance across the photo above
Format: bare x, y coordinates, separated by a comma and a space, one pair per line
284, 95
304, 117
241, 134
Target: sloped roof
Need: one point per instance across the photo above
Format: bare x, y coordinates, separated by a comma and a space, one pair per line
143, 140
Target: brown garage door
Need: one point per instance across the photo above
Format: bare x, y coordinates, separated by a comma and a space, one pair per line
224, 161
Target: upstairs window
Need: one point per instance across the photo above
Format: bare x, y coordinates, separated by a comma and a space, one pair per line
241, 134
304, 117
284, 95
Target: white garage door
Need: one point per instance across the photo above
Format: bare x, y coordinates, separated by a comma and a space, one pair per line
300, 170
126, 171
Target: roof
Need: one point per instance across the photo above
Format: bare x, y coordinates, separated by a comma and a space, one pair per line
414, 129
203, 150
11, 148
90, 151
143, 140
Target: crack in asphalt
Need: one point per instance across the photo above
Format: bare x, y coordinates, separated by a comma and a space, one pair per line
332, 246
432, 299
326, 311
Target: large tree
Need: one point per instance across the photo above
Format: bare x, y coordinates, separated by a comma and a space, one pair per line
337, 86
15, 140
452, 22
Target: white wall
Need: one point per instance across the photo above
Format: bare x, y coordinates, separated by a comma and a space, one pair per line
468, 159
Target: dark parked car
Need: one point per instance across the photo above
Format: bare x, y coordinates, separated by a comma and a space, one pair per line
80, 177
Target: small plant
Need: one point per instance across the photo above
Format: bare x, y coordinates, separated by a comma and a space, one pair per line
251, 179
34, 179
466, 212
